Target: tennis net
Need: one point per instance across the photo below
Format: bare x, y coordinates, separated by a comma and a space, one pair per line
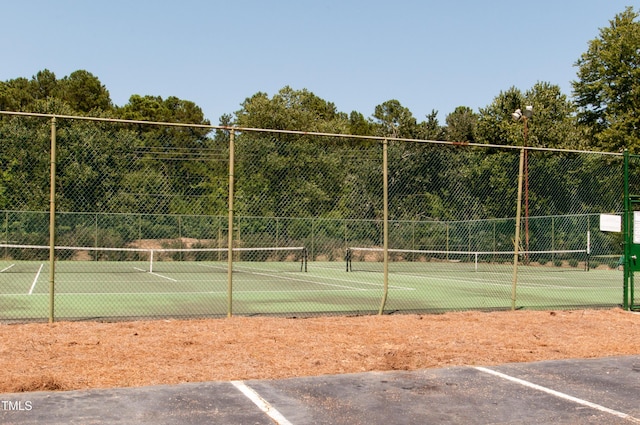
415, 260
70, 259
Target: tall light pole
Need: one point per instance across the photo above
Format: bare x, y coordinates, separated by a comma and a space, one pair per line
524, 116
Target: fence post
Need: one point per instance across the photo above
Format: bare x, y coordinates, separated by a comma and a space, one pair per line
52, 221
230, 229
627, 230
516, 242
385, 225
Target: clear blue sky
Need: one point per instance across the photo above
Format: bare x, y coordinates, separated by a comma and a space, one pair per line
355, 53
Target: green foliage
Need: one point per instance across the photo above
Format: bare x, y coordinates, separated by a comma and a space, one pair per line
608, 85
82, 91
24, 164
552, 125
176, 170
279, 168
461, 125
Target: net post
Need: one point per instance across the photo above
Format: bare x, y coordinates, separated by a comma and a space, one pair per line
347, 258
588, 255
151, 261
305, 259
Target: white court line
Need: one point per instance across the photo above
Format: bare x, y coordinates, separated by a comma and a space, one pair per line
379, 285
481, 281
560, 395
342, 287
255, 272
481, 276
302, 280
252, 395
223, 292
6, 268
332, 278
156, 274
521, 284
308, 281
35, 280
164, 277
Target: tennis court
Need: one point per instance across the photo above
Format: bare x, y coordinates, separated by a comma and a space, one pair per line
196, 288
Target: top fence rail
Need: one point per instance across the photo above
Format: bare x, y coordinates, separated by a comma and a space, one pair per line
304, 133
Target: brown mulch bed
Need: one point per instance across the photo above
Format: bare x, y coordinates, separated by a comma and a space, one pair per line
81, 355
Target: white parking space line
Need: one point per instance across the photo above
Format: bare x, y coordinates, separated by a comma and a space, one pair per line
261, 403
560, 395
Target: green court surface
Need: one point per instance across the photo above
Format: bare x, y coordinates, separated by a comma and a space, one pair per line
116, 290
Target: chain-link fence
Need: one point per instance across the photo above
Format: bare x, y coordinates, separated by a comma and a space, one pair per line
167, 220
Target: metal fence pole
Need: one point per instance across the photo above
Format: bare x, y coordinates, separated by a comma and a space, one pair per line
52, 222
516, 242
385, 225
627, 236
230, 229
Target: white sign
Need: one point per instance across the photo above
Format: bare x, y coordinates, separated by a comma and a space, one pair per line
636, 227
611, 223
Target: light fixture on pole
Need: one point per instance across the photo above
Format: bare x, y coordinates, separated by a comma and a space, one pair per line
524, 116
518, 114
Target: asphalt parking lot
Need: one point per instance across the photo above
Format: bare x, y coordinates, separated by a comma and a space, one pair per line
593, 391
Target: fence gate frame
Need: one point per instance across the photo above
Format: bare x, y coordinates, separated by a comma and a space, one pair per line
631, 241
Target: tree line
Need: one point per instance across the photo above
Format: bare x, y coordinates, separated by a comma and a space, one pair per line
175, 170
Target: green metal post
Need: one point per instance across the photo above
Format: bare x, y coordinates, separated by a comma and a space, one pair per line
627, 234
52, 222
